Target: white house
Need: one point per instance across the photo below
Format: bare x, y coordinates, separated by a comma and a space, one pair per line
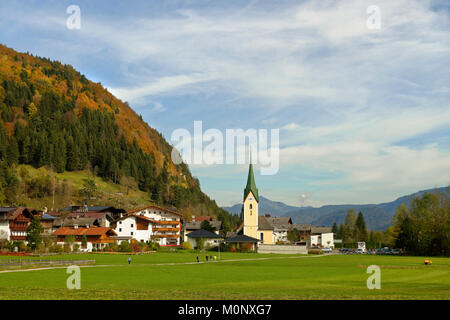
164, 225
323, 240
133, 226
210, 239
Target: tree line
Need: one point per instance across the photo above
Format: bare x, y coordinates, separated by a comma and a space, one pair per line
423, 228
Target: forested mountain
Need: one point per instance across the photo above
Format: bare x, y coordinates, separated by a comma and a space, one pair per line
51, 116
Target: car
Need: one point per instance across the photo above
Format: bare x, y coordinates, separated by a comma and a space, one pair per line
327, 250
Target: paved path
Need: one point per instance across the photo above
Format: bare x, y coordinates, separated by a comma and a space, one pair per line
168, 263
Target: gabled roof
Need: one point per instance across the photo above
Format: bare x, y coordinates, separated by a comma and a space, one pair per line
203, 234
301, 227
320, 229
241, 238
70, 222
156, 207
12, 214
195, 225
263, 224
251, 185
93, 231
7, 209
280, 223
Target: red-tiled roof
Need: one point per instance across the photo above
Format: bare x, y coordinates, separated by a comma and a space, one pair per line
93, 231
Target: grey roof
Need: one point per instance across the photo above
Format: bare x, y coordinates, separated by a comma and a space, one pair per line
203, 234
263, 224
48, 217
241, 238
7, 209
280, 223
70, 222
302, 227
195, 225
320, 229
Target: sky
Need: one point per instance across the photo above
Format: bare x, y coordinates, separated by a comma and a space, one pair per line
363, 113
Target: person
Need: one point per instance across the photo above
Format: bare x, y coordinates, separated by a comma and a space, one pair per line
215, 258
129, 260
210, 258
197, 259
206, 258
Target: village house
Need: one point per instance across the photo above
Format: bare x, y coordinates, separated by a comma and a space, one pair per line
133, 226
281, 226
196, 222
14, 222
96, 237
210, 239
47, 223
102, 215
164, 225
313, 236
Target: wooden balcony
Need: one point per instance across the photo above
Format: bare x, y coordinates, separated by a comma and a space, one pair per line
166, 229
165, 222
167, 235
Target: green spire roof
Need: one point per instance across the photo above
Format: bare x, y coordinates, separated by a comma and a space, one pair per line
251, 185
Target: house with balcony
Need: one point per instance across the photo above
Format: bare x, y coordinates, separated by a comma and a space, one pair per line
14, 222
153, 223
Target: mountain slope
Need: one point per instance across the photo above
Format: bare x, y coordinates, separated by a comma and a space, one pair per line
376, 216
52, 116
266, 206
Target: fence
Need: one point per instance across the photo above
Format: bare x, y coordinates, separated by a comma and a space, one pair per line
7, 263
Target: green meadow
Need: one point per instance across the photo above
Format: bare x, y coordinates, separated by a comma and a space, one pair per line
177, 275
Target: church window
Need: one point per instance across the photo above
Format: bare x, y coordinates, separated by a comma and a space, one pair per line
251, 207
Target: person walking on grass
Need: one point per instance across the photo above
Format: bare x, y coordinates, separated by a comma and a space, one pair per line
129, 260
206, 258
198, 259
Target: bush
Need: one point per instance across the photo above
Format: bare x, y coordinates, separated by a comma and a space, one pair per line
315, 251
76, 247
124, 247
187, 245
58, 248
246, 247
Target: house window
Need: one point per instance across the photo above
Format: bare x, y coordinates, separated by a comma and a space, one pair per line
120, 229
262, 237
120, 222
132, 225
131, 232
251, 207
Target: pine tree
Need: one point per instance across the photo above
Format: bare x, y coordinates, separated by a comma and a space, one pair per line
335, 229
34, 233
361, 228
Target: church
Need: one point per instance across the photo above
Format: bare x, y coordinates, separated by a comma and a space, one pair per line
255, 226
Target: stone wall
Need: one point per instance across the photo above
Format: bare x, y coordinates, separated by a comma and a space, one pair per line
287, 249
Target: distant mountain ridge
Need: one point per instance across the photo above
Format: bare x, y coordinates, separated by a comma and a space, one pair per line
377, 216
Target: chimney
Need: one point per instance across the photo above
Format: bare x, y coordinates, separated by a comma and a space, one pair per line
267, 215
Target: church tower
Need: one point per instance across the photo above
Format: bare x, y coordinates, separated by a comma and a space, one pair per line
251, 200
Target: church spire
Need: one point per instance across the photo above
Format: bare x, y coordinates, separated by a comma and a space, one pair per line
251, 185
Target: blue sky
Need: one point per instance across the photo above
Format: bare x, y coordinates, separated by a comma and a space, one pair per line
364, 115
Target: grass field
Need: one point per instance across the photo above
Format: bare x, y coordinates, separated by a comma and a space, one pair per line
237, 276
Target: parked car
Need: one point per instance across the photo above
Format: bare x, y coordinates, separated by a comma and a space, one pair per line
326, 250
